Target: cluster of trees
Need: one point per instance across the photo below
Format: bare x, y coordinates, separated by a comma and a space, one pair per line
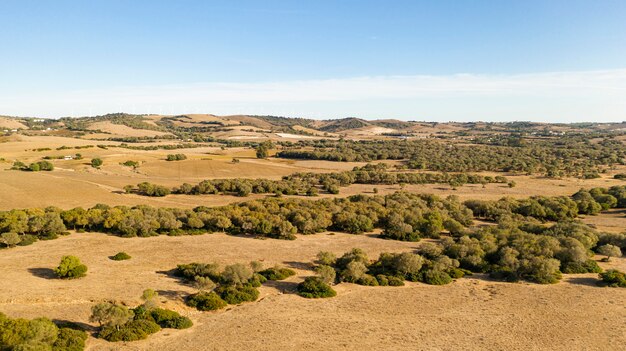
120, 323
551, 158
401, 216
262, 150
233, 285
17, 334
516, 250
552, 208
390, 269
33, 167
176, 157
310, 184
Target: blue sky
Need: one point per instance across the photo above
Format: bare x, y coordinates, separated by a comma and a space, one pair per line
550, 60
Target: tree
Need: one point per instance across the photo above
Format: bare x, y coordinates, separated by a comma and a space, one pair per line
70, 268
110, 315
150, 297
354, 271
261, 152
96, 162
237, 274
609, 251
10, 239
204, 284
326, 258
326, 273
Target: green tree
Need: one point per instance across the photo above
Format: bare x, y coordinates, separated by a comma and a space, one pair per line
70, 268
110, 315
96, 162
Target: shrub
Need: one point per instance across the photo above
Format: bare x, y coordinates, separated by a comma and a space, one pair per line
354, 271
176, 157
589, 266
205, 301
110, 315
170, 319
70, 268
237, 273
434, 277
326, 273
314, 287
120, 256
237, 294
613, 278
326, 258
131, 331
27, 239
96, 162
609, 251
367, 280
277, 273
70, 340
395, 281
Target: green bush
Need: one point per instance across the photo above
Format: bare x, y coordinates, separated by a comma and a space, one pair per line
234, 295
314, 287
120, 256
395, 281
176, 157
38, 334
589, 266
170, 319
613, 278
455, 273
70, 268
434, 277
134, 330
277, 273
367, 280
257, 280
27, 239
205, 301
70, 340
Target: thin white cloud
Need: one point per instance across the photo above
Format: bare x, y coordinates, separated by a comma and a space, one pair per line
555, 96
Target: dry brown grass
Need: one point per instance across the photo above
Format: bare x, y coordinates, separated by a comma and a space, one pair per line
472, 314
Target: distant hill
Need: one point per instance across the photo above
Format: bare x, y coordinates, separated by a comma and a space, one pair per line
130, 127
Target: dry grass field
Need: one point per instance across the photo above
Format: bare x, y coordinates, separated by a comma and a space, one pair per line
473, 313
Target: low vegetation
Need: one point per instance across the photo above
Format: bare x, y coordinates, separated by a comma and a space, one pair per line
176, 157
39, 334
120, 256
70, 268
119, 323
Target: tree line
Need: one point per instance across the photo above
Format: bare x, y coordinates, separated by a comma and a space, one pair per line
553, 158
310, 184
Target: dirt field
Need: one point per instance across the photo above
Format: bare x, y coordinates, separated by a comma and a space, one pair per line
472, 314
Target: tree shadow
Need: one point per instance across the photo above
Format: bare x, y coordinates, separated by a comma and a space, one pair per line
282, 286
175, 295
304, 266
172, 274
63, 323
46, 273
589, 281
